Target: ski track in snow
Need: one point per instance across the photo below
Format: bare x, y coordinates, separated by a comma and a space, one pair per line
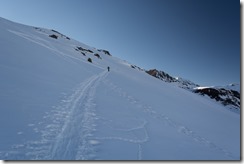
69, 135
135, 140
180, 128
80, 124
67, 131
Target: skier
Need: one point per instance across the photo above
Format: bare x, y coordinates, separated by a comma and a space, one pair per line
108, 69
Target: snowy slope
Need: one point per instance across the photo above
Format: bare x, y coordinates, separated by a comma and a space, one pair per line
55, 105
229, 95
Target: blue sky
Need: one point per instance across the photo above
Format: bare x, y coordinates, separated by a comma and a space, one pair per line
195, 39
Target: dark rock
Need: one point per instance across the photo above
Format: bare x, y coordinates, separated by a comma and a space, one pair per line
62, 35
56, 32
136, 67
161, 75
98, 56
83, 49
105, 52
90, 60
211, 92
225, 96
89, 51
53, 36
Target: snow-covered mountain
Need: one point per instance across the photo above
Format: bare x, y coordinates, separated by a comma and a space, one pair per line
180, 82
57, 105
227, 95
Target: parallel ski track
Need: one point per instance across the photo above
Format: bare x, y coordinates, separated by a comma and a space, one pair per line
72, 142
67, 133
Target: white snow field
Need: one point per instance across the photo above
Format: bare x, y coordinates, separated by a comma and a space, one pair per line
55, 105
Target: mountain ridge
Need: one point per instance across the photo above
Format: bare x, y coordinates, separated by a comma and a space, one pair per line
228, 95
56, 105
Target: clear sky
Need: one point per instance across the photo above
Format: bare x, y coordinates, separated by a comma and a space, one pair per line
195, 39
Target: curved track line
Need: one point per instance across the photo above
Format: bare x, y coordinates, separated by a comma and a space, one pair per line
180, 128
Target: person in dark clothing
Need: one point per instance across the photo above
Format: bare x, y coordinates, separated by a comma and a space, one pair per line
108, 69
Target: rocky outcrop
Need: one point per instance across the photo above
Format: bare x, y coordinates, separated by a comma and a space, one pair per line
137, 68
228, 95
53, 36
98, 56
62, 35
180, 82
105, 52
89, 60
225, 96
161, 75
83, 49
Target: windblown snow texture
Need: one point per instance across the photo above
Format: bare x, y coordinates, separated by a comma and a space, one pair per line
55, 105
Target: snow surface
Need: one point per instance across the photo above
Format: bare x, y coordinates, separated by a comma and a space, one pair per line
57, 106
